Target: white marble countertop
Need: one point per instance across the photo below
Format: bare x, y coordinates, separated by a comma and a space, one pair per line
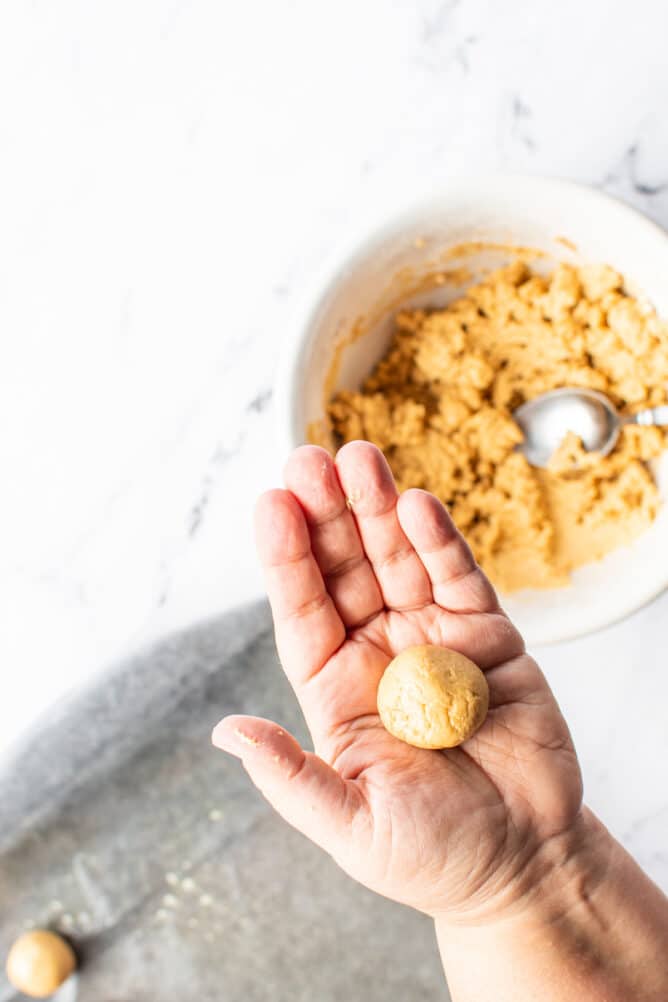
172, 171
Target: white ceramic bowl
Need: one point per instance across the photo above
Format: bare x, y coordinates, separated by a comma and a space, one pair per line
383, 265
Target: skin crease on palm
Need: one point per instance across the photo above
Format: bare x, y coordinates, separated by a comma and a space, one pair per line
355, 574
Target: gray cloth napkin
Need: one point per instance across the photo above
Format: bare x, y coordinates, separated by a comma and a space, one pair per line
122, 827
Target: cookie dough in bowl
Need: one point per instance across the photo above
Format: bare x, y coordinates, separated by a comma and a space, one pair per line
437, 319
439, 404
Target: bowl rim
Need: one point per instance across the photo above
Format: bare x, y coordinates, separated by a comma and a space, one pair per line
369, 229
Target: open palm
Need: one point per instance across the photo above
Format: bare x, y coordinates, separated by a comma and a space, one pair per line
355, 574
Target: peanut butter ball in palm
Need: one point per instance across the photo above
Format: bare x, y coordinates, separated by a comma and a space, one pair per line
432, 697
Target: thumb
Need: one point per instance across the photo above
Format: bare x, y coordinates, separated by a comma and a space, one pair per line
309, 794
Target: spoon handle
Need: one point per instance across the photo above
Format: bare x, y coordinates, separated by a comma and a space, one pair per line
650, 416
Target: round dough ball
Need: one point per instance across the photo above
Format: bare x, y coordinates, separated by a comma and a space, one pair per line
431, 697
39, 961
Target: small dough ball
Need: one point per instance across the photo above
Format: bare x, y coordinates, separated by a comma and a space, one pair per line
431, 697
38, 963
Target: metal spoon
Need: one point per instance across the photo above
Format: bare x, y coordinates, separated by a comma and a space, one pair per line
546, 419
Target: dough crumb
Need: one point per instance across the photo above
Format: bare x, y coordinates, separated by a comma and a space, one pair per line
246, 738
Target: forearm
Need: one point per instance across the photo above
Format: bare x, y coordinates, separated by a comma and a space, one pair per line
587, 927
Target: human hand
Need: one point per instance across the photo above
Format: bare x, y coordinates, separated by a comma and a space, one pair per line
355, 574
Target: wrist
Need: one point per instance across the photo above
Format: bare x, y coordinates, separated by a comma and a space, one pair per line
582, 920
547, 879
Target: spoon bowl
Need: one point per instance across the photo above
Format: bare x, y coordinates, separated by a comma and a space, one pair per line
545, 420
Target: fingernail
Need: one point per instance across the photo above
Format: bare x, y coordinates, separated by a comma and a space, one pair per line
223, 737
231, 738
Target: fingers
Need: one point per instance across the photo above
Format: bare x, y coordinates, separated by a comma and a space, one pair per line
309, 631
486, 638
369, 486
458, 584
311, 476
308, 627
306, 792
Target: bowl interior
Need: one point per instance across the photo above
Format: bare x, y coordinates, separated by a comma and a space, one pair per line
424, 258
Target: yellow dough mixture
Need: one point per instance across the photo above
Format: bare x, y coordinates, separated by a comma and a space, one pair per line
439, 405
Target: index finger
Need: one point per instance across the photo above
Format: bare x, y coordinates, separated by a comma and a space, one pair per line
308, 627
